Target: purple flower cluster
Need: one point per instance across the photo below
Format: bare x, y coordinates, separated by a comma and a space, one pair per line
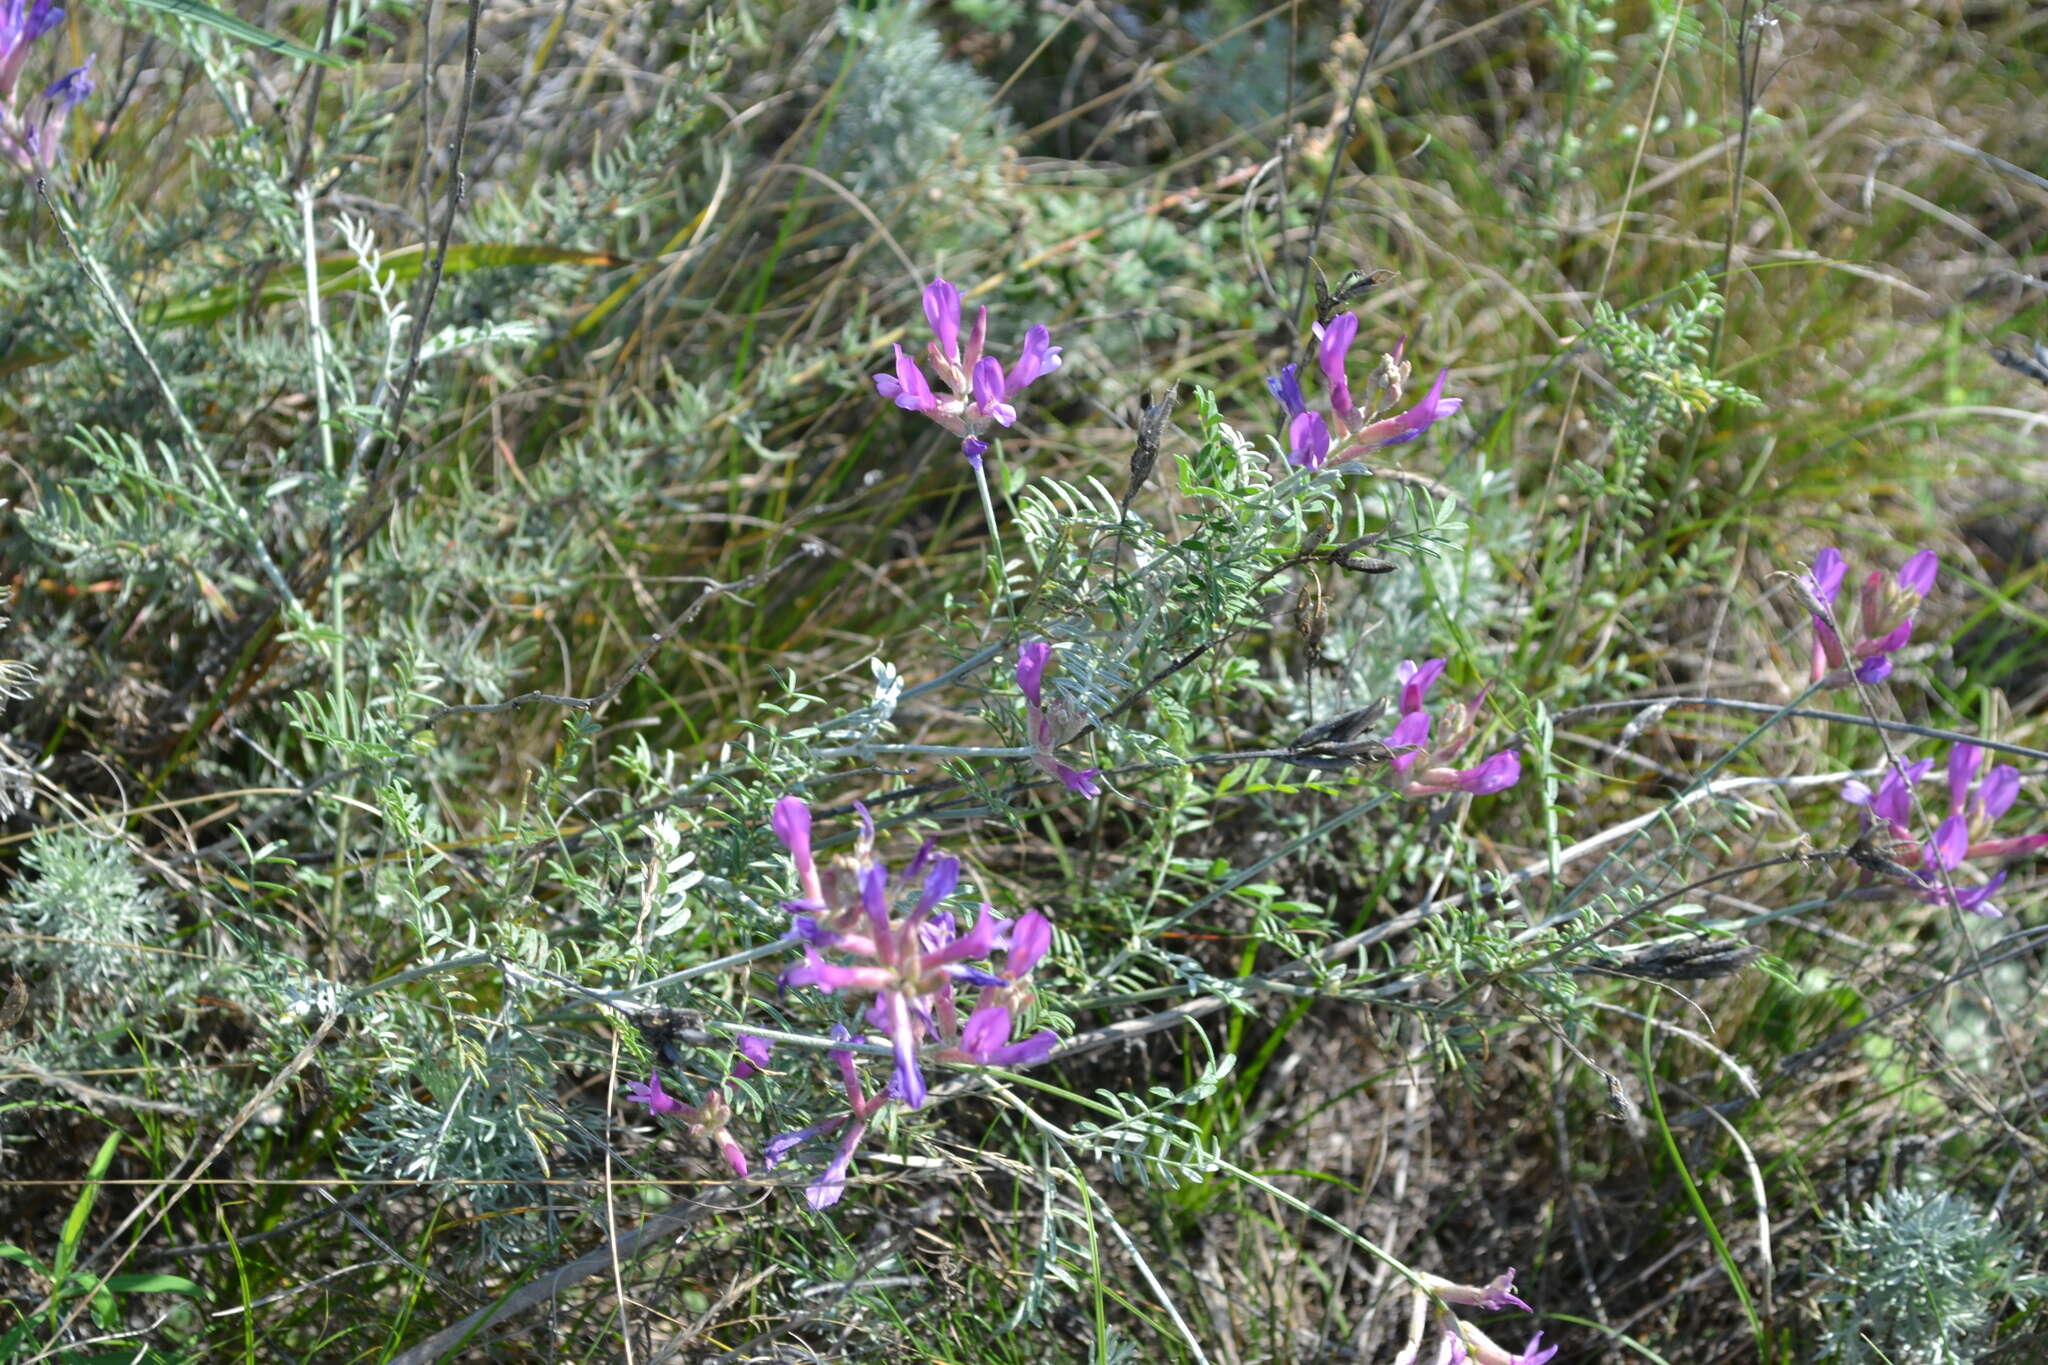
1032, 658
910, 965
1313, 440
1884, 621
710, 1121
983, 391
29, 136
1425, 765
1975, 804
1459, 1342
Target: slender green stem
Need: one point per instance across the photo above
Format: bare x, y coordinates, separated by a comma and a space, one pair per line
1001, 566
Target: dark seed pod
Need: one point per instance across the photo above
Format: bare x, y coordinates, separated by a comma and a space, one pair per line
1151, 427
1684, 959
1311, 617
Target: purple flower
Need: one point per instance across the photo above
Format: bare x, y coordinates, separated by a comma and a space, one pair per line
791, 822
1286, 386
711, 1122
753, 1058
1974, 806
1028, 941
30, 137
1466, 1343
1425, 763
1333, 346
830, 1184
1409, 737
1885, 615
1308, 441
21, 23
911, 965
1038, 359
1433, 408
1416, 680
658, 1101
942, 311
986, 1040
1496, 1294
989, 392
1314, 440
1032, 657
907, 386
981, 389
1496, 774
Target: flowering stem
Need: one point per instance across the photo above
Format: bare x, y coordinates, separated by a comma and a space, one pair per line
925, 750
1001, 566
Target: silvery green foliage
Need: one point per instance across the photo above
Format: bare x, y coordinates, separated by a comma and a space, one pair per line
85, 915
1917, 1276
1460, 543
16, 776
486, 1133
908, 114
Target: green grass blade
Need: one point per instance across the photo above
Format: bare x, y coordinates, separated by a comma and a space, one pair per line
74, 1224
342, 273
239, 29
1698, 1201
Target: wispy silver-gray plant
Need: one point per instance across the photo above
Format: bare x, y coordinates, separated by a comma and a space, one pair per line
1917, 1276
86, 915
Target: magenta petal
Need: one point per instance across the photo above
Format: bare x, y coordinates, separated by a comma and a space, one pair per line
1963, 762
1030, 939
1332, 347
753, 1055
2006, 848
1411, 733
2001, 788
1894, 802
1496, 774
939, 883
1827, 648
1433, 408
658, 1101
1080, 781
1286, 386
780, 1146
1951, 842
1416, 680
1825, 579
1500, 1293
834, 976
1308, 441
1032, 658
1976, 900
826, 1190
988, 391
976, 943
988, 1028
1039, 358
912, 394
1029, 1052
791, 822
1917, 575
942, 311
1894, 640
874, 896
903, 1038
